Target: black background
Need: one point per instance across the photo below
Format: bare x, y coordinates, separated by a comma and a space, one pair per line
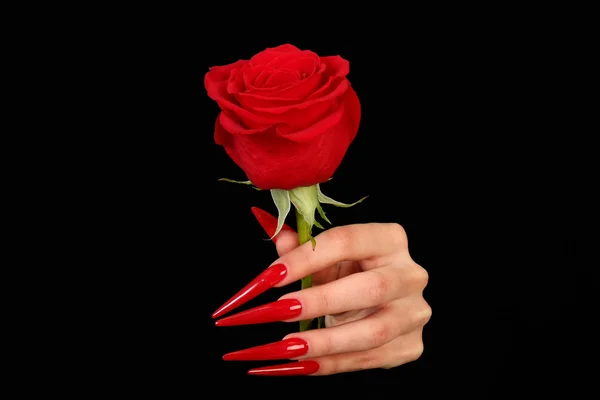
448, 148
457, 143
473, 138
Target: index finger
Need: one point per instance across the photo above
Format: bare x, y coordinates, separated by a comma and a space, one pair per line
345, 243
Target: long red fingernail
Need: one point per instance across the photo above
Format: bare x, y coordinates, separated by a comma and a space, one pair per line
266, 280
277, 311
268, 222
288, 348
296, 368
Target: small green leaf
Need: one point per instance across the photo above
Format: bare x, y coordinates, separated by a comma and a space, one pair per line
239, 182
318, 224
232, 181
322, 214
281, 198
314, 242
328, 200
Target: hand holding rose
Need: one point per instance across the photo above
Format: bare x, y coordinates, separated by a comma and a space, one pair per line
364, 282
287, 119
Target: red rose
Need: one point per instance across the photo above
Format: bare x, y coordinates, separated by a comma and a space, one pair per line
288, 116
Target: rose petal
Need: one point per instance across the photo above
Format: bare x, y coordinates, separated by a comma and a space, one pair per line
216, 79
255, 77
216, 82
284, 48
304, 61
251, 101
307, 124
270, 53
222, 137
348, 107
250, 73
336, 66
306, 66
233, 125
260, 79
336, 89
299, 91
281, 77
236, 83
271, 161
247, 118
304, 88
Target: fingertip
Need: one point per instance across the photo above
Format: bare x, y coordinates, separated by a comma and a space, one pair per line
286, 242
268, 222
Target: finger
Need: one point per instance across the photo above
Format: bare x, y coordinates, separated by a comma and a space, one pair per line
354, 292
285, 240
401, 350
359, 291
269, 223
334, 272
394, 319
349, 316
350, 242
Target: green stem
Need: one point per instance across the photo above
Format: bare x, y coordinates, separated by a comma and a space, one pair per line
304, 235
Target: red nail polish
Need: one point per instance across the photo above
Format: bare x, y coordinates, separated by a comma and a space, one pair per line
268, 222
288, 348
277, 311
266, 280
296, 368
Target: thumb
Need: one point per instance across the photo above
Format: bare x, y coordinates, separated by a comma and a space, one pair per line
286, 240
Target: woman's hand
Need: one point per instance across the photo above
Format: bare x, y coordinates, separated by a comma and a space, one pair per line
364, 282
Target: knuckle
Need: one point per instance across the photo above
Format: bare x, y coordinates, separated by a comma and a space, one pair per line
328, 345
397, 234
419, 276
425, 313
323, 301
379, 334
419, 314
368, 361
342, 235
306, 259
378, 288
415, 352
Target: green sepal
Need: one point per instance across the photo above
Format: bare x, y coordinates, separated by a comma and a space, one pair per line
281, 198
318, 224
328, 200
322, 214
239, 182
305, 200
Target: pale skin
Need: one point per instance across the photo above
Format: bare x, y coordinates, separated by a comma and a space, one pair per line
370, 290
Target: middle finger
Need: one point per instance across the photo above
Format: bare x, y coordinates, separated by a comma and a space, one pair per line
354, 292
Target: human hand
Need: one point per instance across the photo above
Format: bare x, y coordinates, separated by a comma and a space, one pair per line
364, 282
